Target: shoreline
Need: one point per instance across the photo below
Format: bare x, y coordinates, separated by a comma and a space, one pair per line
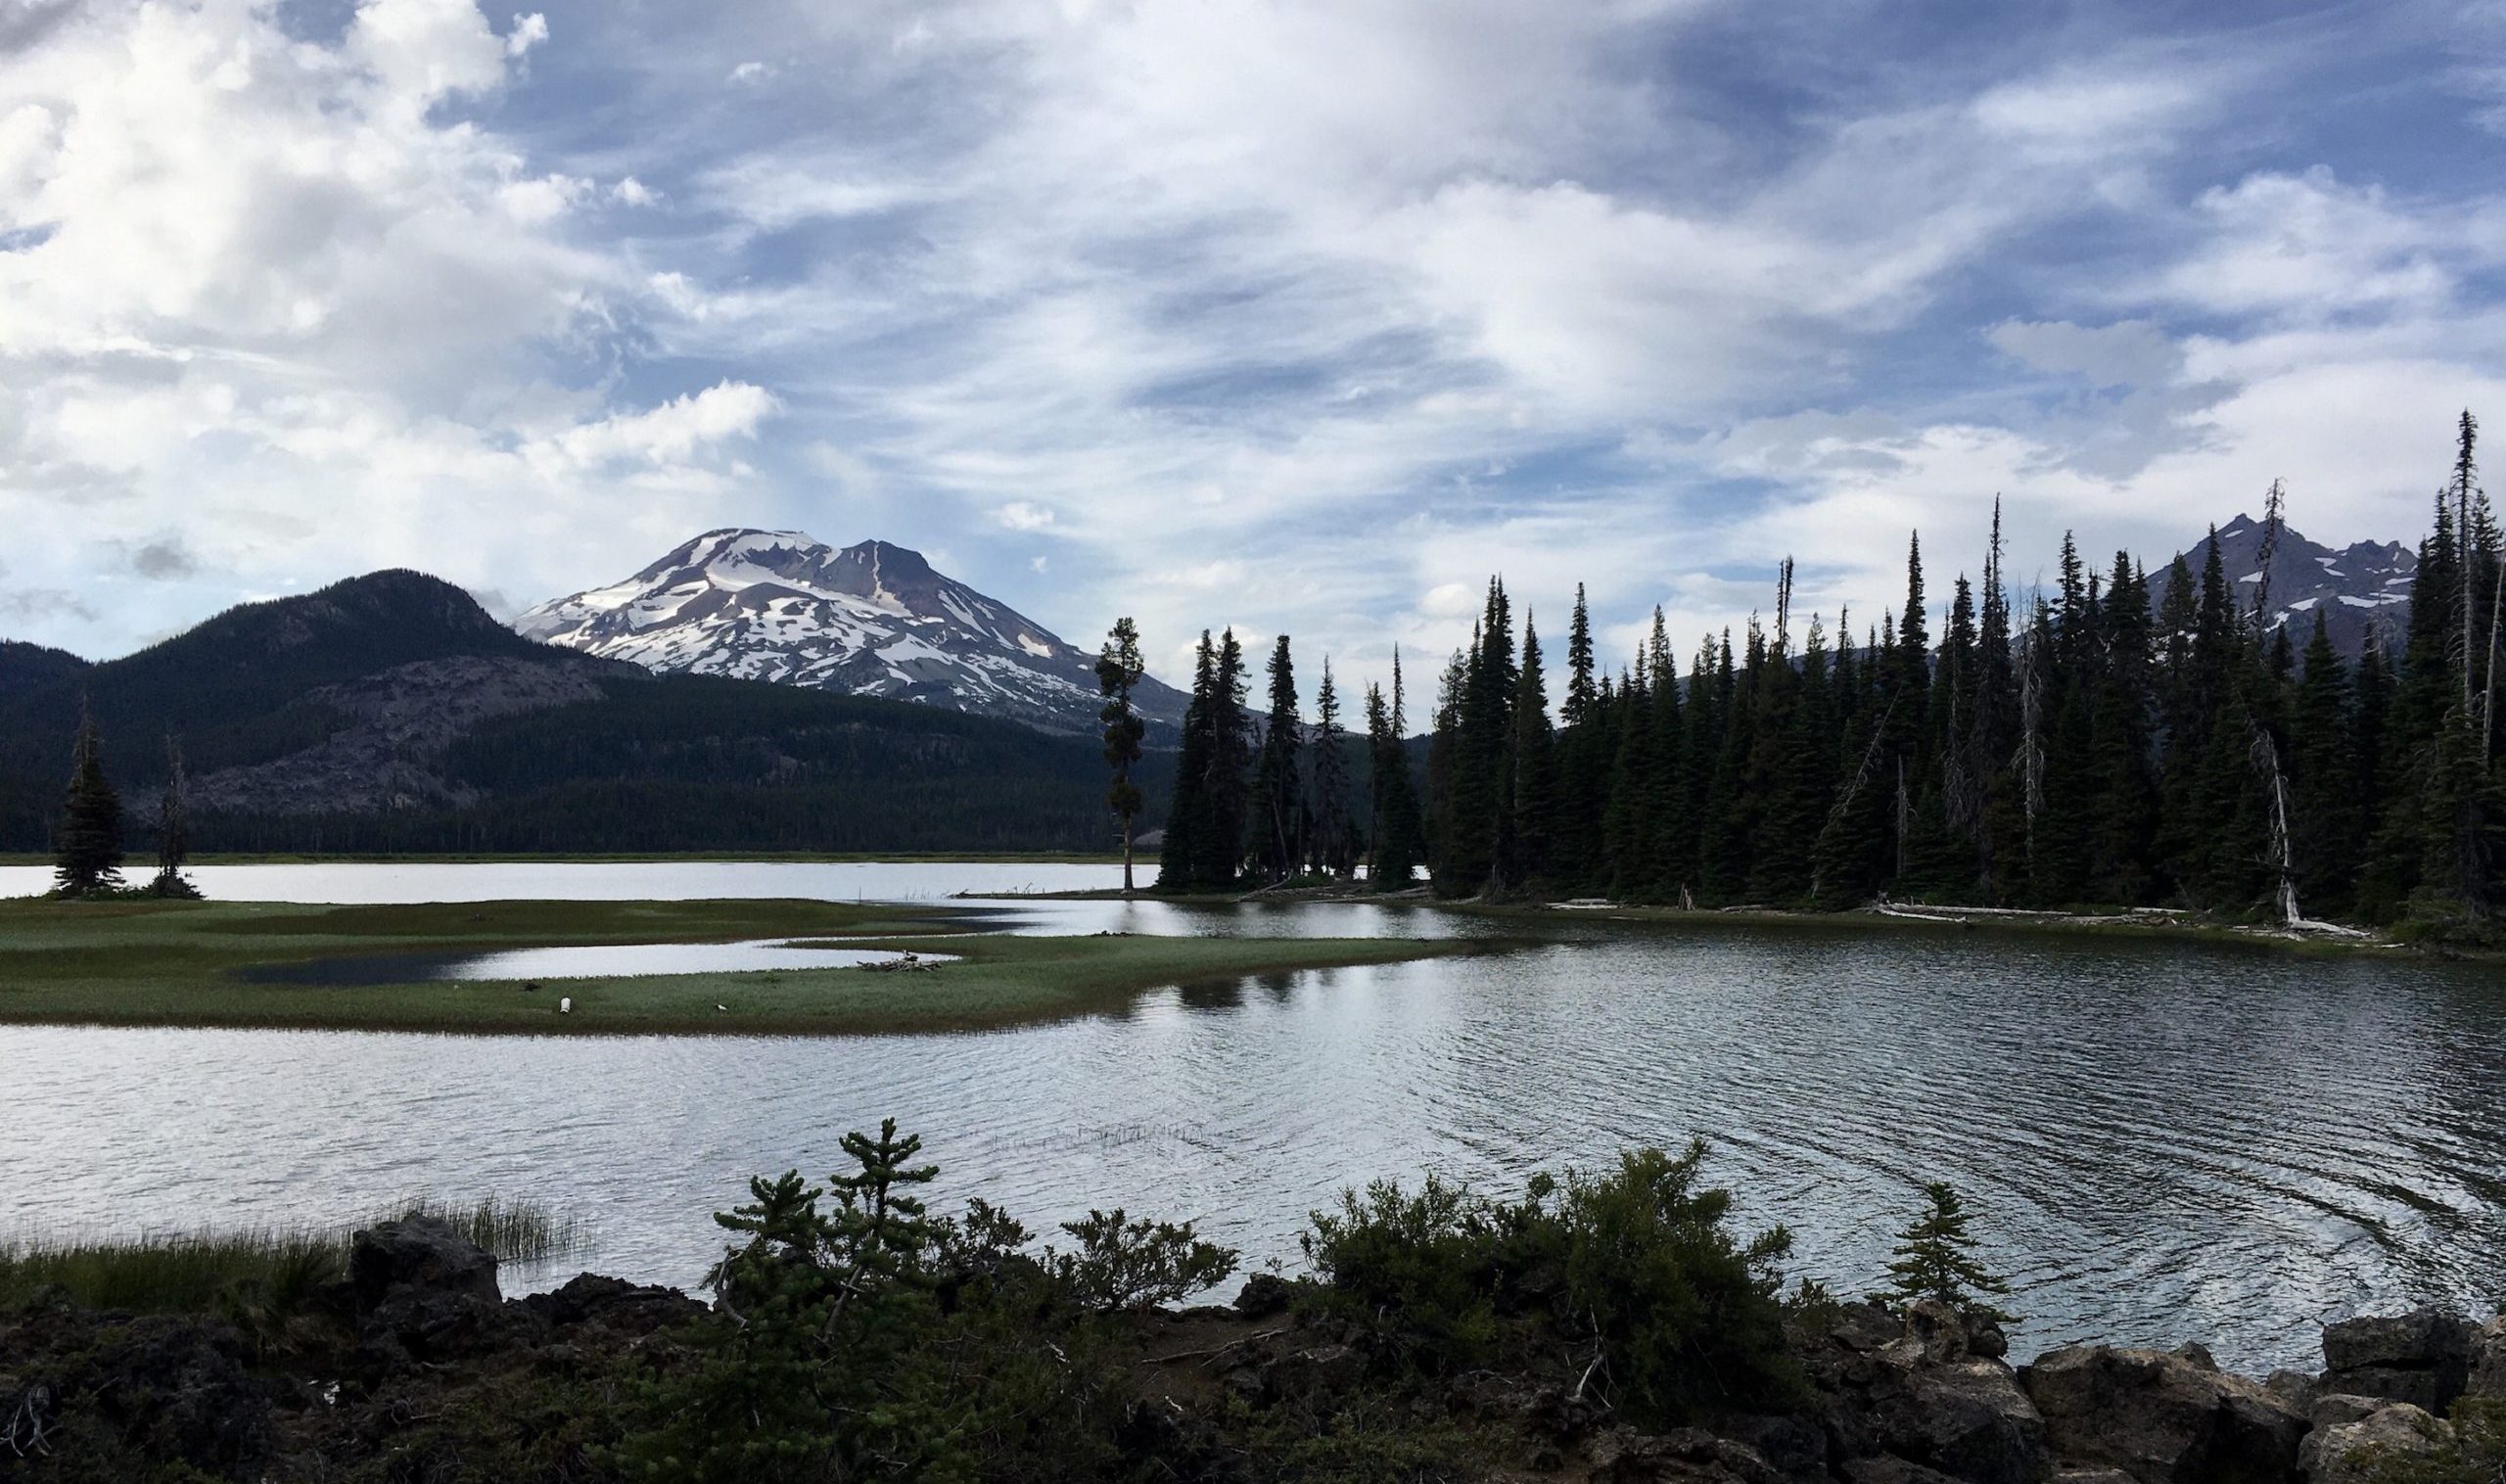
181, 964
2120, 925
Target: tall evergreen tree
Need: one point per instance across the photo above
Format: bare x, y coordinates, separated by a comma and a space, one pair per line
1186, 855
1531, 757
1334, 845
1119, 668
1276, 814
1400, 840
87, 848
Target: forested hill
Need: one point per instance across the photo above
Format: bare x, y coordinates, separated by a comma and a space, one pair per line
389, 711
26, 668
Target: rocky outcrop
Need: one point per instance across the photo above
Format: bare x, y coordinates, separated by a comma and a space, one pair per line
2423, 1357
2161, 1418
2351, 1433
1926, 1387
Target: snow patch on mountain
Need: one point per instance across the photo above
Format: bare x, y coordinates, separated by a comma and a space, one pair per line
871, 619
2362, 592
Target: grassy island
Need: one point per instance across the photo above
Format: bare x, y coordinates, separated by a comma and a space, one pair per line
196, 964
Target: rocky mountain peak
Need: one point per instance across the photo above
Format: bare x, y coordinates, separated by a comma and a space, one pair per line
872, 619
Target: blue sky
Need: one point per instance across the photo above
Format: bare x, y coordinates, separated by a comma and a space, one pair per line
1300, 316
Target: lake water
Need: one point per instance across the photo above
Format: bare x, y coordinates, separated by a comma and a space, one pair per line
2160, 1142
618, 880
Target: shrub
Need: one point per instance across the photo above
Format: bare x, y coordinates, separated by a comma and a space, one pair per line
1134, 1264
1632, 1267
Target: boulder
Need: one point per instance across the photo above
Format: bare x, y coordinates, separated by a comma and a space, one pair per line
1925, 1387
1624, 1456
2423, 1357
2295, 1387
2488, 1378
2161, 1418
1264, 1295
1888, 1469
2347, 1452
635, 1309
419, 1252
425, 1293
2339, 1409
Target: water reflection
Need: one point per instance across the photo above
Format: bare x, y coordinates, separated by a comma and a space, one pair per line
620, 961
2160, 1141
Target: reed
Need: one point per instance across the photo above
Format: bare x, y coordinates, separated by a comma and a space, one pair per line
277, 1267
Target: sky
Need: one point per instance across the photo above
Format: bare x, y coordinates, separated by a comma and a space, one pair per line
1296, 315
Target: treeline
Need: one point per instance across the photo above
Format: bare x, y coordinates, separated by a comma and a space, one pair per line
2086, 747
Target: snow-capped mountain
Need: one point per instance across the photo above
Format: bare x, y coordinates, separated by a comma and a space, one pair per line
2360, 591
871, 619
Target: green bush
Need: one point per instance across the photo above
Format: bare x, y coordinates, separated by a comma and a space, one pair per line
1633, 1266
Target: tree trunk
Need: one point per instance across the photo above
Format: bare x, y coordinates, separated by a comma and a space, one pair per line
1127, 855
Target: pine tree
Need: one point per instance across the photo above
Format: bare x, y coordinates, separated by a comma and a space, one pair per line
1935, 1257
1278, 809
1119, 668
1399, 839
1231, 748
1182, 857
87, 849
1531, 757
1334, 846
173, 828
2327, 821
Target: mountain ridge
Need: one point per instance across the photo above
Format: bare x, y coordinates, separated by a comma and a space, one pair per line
2362, 590
873, 619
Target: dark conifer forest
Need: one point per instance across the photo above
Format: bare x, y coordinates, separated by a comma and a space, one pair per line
2081, 746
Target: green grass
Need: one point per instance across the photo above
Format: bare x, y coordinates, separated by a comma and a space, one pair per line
178, 963
270, 1267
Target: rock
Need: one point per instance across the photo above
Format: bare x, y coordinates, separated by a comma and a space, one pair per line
614, 1304
1264, 1295
2161, 1418
2090, 1476
1949, 1332
1887, 1468
1624, 1456
1795, 1447
1927, 1386
425, 1293
2295, 1387
419, 1252
2197, 1354
2487, 1378
2423, 1357
2347, 1452
2339, 1410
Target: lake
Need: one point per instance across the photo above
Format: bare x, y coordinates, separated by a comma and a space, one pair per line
2160, 1141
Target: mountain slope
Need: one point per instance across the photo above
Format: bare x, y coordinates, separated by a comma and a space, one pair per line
2361, 590
26, 668
391, 711
870, 620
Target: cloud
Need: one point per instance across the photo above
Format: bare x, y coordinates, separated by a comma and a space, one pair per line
1301, 315
674, 432
2130, 352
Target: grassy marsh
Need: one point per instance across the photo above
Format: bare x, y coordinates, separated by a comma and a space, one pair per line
180, 963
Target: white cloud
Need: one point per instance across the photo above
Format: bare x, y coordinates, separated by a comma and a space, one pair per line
674, 432
1022, 515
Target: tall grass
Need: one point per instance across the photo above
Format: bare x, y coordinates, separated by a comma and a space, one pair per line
272, 1268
